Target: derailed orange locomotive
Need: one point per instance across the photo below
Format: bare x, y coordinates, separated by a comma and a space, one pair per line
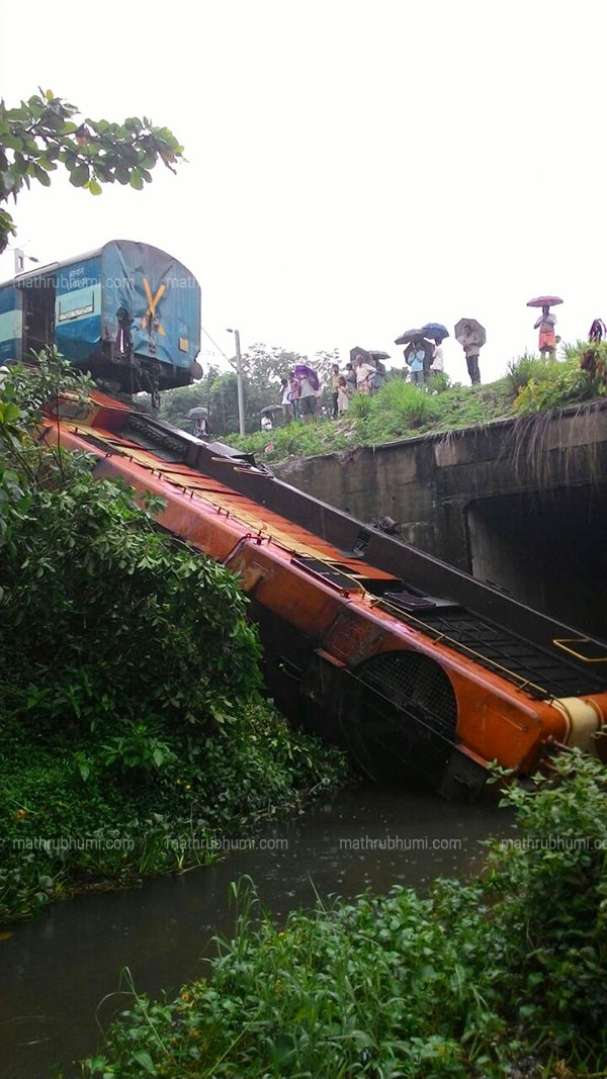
410, 662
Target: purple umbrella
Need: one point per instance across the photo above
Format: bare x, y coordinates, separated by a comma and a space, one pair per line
303, 371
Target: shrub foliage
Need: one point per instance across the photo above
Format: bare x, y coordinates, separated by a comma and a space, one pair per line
129, 676
504, 976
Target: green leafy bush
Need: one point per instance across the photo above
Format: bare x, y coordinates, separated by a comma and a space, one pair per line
140, 747
130, 699
167, 640
504, 976
44, 132
528, 367
101, 614
541, 385
555, 386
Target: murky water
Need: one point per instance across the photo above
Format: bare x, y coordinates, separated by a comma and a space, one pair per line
57, 971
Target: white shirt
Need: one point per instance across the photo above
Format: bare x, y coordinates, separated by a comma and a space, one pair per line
437, 359
362, 373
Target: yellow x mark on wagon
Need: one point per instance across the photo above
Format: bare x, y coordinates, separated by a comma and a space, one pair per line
153, 302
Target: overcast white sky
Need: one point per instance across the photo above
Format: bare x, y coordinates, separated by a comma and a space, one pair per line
354, 168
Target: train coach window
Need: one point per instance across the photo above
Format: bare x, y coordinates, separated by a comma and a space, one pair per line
76, 304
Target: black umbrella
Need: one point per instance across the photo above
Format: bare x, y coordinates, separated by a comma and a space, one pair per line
358, 352
409, 335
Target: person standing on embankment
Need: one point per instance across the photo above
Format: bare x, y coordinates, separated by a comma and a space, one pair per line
334, 386
546, 324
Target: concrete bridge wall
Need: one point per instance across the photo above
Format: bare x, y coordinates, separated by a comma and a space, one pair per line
522, 503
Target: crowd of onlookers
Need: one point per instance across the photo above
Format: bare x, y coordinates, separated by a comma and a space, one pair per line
301, 391
365, 373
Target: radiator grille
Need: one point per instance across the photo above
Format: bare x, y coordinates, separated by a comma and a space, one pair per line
416, 685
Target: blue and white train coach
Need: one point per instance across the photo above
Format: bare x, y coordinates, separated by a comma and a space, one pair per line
128, 313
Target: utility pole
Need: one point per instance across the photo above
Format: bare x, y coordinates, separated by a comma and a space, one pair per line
239, 382
20, 260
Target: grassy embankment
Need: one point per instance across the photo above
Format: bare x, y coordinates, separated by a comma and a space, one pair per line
503, 976
401, 410
135, 735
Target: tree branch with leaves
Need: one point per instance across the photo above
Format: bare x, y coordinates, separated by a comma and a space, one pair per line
45, 132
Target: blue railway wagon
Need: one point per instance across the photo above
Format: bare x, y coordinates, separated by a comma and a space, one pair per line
129, 313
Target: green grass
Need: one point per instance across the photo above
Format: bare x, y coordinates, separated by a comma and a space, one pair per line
401, 410
473, 981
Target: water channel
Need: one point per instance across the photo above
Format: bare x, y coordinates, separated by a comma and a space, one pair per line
56, 970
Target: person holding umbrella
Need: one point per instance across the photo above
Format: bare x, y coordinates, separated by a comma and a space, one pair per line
379, 376
309, 387
418, 354
436, 332
365, 373
471, 336
471, 352
363, 368
546, 325
200, 416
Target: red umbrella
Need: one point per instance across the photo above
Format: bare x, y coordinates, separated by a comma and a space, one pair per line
544, 301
